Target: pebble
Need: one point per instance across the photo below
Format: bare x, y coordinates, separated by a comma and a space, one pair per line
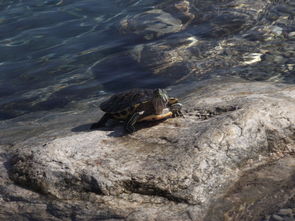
290, 67
252, 58
285, 212
276, 218
277, 30
278, 59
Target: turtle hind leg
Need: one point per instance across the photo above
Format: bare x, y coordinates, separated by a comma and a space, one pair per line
101, 122
130, 122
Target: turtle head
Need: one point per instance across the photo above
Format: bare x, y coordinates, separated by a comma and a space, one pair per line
160, 100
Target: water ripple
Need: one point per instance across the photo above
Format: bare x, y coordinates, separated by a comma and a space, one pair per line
54, 53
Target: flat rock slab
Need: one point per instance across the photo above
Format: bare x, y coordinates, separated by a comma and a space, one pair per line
217, 163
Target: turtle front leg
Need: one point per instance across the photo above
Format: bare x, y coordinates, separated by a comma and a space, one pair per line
130, 122
176, 110
101, 122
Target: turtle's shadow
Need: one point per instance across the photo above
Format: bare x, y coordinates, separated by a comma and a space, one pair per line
119, 131
82, 128
116, 130
86, 128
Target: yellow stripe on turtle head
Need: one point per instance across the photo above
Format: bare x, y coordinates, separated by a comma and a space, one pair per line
172, 100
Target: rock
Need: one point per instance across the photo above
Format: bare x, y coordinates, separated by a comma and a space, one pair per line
277, 30
252, 58
165, 18
276, 218
289, 219
204, 40
151, 24
235, 164
266, 218
188, 39
285, 212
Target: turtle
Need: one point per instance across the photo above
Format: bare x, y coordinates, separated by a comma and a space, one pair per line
138, 105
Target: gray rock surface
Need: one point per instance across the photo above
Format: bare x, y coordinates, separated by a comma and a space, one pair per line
230, 158
284, 214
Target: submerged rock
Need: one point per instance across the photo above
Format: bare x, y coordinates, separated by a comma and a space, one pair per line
214, 38
230, 158
151, 24
166, 18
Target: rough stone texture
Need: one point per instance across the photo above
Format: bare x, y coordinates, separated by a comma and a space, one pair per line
230, 158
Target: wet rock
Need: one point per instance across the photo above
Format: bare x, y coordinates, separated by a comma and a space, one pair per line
235, 164
277, 30
285, 212
215, 38
166, 18
276, 218
151, 24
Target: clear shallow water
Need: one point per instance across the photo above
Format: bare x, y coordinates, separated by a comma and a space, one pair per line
48, 50
55, 53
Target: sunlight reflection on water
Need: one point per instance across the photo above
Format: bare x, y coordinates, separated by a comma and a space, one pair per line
54, 53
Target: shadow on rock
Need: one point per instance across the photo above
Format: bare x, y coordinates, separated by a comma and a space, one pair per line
117, 129
120, 132
81, 128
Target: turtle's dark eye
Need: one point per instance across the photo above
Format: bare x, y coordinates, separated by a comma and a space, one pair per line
157, 92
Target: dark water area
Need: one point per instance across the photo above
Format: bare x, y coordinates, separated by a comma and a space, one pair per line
56, 53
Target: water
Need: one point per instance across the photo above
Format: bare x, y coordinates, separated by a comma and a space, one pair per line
56, 53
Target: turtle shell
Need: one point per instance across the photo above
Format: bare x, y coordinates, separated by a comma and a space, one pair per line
127, 99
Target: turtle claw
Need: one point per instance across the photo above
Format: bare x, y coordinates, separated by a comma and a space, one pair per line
177, 114
130, 129
176, 110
